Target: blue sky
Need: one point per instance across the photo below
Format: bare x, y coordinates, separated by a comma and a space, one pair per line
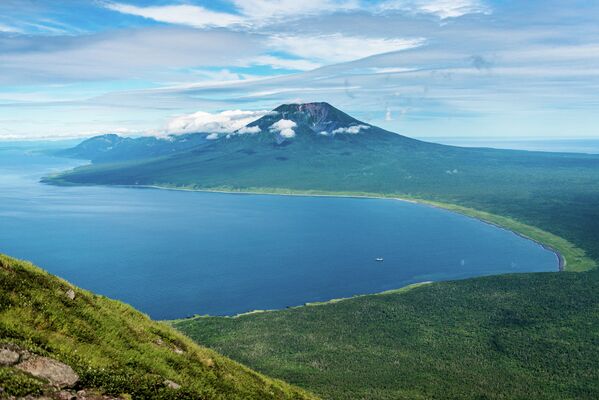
423, 68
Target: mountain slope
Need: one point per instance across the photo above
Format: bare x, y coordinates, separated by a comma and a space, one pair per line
114, 349
316, 148
112, 148
307, 125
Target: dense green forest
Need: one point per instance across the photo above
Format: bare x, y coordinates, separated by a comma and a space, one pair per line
114, 349
528, 336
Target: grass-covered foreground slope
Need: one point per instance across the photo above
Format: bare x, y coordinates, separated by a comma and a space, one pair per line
528, 336
114, 349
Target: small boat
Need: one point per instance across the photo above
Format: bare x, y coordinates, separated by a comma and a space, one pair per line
379, 259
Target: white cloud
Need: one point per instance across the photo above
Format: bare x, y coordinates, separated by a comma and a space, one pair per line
8, 29
339, 48
155, 52
252, 13
249, 129
223, 122
222, 75
261, 10
284, 63
183, 14
354, 129
284, 127
350, 129
390, 70
257, 13
441, 8
453, 8
312, 51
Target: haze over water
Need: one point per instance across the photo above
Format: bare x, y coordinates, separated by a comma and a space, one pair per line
173, 254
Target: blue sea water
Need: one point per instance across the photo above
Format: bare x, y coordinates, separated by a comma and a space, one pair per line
173, 254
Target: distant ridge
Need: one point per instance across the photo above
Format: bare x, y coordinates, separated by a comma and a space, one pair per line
112, 147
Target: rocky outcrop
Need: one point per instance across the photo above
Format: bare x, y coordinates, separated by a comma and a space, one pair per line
170, 384
71, 294
56, 378
56, 373
60, 379
81, 395
68, 395
9, 356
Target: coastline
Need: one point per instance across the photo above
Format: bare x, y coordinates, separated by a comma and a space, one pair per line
561, 259
570, 258
309, 304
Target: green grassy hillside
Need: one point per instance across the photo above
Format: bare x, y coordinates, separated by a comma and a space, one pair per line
113, 348
528, 336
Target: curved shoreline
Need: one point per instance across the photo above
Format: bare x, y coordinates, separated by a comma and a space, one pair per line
561, 260
569, 257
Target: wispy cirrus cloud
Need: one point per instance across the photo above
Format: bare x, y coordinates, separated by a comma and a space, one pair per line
263, 11
284, 63
339, 48
151, 52
181, 14
256, 13
9, 29
307, 51
249, 13
441, 8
